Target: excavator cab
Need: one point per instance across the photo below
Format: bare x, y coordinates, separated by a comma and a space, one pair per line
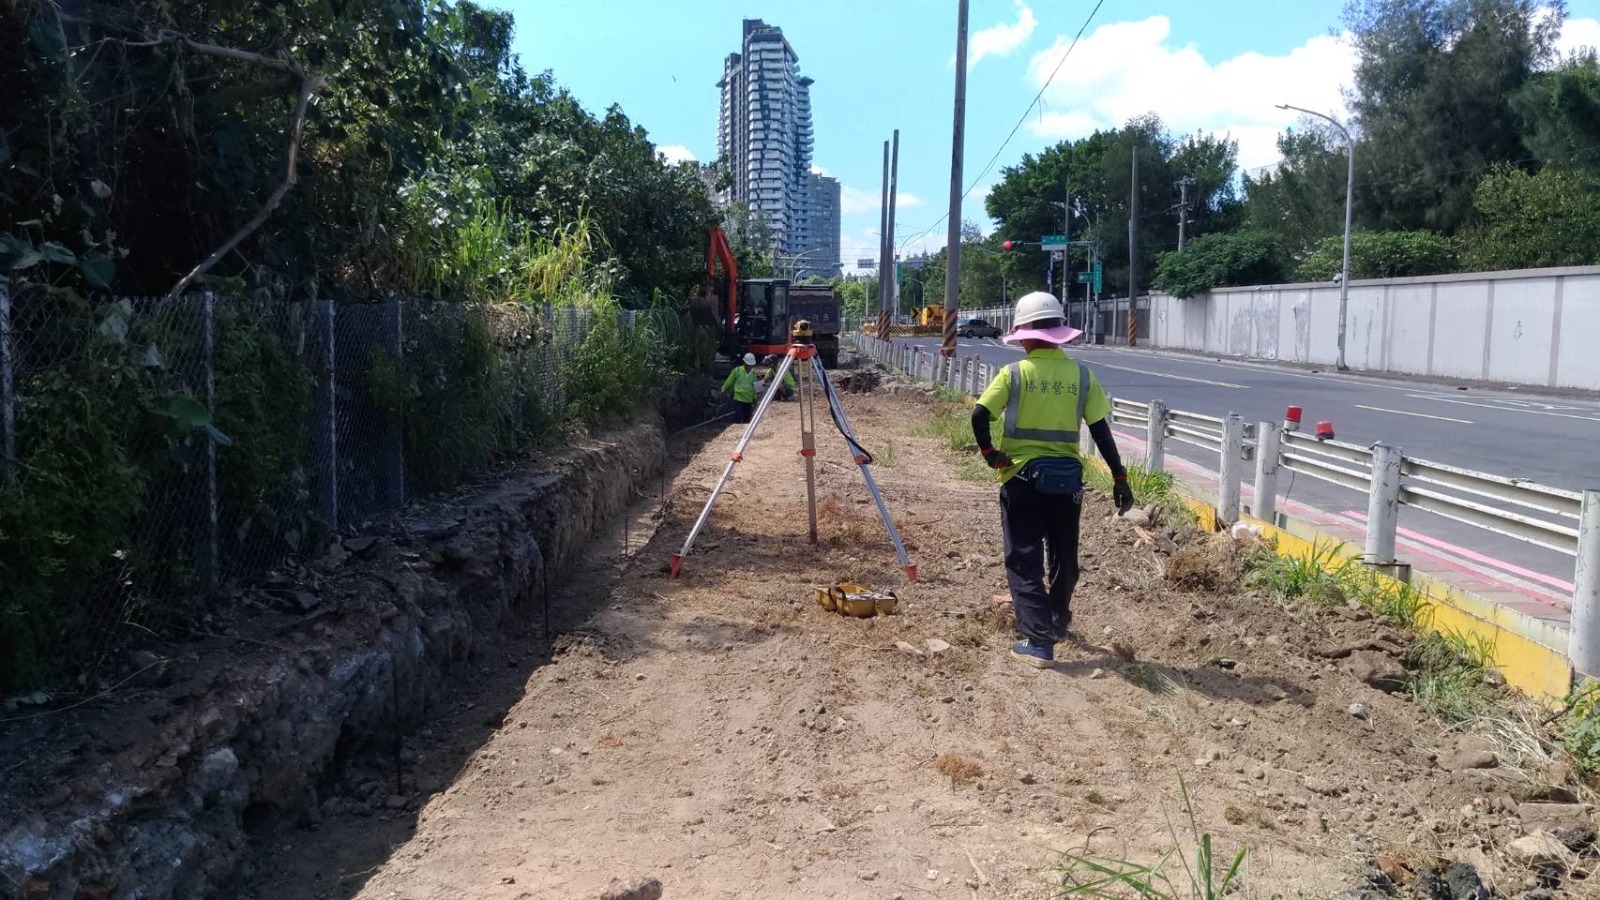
763, 321
751, 315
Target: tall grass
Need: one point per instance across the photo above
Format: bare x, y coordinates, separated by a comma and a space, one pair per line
1171, 877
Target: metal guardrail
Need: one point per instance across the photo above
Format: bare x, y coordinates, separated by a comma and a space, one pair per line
1565, 521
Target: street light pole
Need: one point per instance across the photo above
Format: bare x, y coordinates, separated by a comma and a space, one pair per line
1349, 193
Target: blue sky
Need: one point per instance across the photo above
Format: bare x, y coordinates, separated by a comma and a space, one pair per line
1217, 65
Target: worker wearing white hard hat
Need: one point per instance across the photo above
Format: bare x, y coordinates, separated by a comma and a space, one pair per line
1044, 402
741, 383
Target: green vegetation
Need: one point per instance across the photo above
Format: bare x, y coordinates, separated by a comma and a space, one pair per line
1475, 149
1448, 676
1382, 254
1173, 876
952, 425
429, 165
1580, 729
1158, 489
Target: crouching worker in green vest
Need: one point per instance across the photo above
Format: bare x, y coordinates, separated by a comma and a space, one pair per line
787, 389
741, 382
1043, 403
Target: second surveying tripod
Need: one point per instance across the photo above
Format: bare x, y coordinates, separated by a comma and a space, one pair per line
802, 357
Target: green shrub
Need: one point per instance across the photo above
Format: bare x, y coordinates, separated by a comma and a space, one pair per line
1580, 729
1382, 254
1247, 256
614, 368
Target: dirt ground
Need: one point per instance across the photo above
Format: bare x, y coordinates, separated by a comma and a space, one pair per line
726, 735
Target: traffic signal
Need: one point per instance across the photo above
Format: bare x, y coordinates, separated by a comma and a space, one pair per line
1012, 245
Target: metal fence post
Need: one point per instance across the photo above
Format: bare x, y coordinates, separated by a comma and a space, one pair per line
394, 450
327, 429
1383, 505
1583, 646
8, 398
1268, 444
1232, 464
208, 341
1155, 437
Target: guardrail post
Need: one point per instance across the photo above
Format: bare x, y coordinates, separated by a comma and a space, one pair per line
1583, 646
1155, 437
1268, 443
1383, 505
1231, 468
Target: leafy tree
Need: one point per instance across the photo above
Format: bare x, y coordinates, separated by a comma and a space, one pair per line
1560, 111
1247, 256
1302, 199
1530, 221
1099, 170
1434, 88
1382, 254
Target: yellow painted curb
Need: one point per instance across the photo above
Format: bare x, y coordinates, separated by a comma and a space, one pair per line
1528, 666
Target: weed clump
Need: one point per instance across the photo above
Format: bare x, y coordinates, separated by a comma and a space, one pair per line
961, 770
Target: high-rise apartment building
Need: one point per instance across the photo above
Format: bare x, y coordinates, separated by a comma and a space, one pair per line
820, 251
764, 140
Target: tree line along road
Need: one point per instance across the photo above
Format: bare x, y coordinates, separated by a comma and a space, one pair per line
1503, 432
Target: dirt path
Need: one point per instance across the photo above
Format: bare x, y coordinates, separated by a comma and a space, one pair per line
727, 736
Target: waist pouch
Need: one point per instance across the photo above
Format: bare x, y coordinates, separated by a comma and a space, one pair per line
1056, 475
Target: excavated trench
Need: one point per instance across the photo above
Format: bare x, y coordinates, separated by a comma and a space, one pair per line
173, 784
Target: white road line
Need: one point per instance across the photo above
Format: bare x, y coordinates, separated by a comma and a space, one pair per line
1531, 412
1102, 365
1401, 412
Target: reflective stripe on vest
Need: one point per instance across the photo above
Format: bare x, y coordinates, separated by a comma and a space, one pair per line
1014, 396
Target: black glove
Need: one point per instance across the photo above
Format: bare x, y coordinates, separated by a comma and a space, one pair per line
997, 459
1121, 494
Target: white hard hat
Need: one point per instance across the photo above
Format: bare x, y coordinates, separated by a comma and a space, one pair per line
750, 358
1036, 307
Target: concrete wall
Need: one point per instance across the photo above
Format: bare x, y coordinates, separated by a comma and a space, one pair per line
1534, 327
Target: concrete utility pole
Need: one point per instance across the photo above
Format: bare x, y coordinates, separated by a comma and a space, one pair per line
952, 277
883, 238
1349, 193
1183, 210
892, 275
1133, 246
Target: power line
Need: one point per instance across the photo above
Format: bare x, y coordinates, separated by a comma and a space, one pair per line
1020, 119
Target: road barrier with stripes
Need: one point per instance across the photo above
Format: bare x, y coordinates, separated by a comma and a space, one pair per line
1556, 519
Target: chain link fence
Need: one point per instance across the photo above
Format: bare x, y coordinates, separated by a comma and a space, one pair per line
157, 450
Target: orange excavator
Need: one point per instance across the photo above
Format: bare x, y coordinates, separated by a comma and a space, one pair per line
751, 315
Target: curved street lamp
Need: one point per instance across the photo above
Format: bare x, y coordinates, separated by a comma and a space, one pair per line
1349, 190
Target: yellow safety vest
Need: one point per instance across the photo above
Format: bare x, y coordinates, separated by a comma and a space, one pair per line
743, 383
1043, 402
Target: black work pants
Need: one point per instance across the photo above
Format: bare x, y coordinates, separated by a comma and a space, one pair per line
742, 411
1031, 522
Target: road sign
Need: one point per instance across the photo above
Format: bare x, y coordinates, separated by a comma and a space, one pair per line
1097, 276
1085, 277
1052, 242
1091, 277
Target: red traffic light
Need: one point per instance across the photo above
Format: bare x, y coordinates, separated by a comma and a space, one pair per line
1012, 245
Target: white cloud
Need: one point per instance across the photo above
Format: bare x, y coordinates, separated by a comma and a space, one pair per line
818, 170
1126, 69
1579, 34
853, 201
677, 153
1002, 39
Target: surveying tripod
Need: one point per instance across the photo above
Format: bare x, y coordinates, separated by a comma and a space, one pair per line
802, 357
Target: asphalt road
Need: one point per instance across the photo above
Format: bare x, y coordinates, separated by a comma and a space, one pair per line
1505, 432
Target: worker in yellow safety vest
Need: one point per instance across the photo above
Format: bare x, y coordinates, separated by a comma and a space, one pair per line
787, 389
741, 382
1043, 403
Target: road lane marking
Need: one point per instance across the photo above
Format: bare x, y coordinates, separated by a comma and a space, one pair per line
1104, 365
1531, 412
1474, 556
1402, 412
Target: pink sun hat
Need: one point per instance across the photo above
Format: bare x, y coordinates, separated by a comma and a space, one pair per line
1039, 317
1060, 334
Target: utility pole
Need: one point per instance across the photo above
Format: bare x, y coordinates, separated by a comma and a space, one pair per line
893, 278
952, 277
1133, 245
883, 238
1184, 184
1066, 252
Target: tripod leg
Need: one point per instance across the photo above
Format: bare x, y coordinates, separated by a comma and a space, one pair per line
872, 485
733, 460
808, 443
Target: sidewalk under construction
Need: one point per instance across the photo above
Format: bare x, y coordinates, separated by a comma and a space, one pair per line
722, 735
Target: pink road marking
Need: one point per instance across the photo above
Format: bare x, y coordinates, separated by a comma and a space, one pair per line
1464, 553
